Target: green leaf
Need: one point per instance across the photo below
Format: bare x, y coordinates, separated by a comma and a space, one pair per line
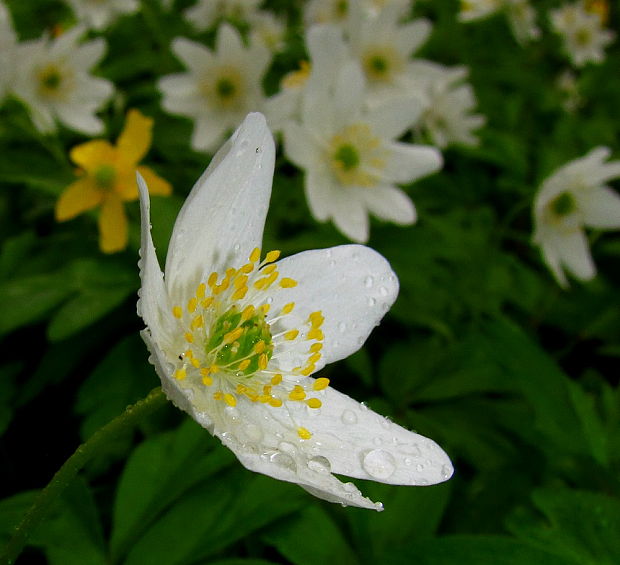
157, 474
7, 393
311, 538
472, 550
580, 525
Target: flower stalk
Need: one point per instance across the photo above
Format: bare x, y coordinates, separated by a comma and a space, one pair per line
72, 466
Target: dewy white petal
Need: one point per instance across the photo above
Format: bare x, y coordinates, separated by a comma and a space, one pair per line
235, 189
352, 285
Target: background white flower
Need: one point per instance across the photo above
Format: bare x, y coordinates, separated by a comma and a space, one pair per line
235, 339
8, 41
220, 87
471, 10
54, 81
206, 13
572, 198
583, 34
349, 155
98, 14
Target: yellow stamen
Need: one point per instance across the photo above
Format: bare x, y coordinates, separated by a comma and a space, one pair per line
308, 370
269, 269
207, 381
230, 399
314, 403
244, 364
276, 379
180, 374
232, 336
262, 361
200, 291
197, 322
303, 433
314, 358
275, 402
191, 305
212, 280
288, 283
288, 308
255, 255
247, 268
298, 393
321, 383
315, 333
189, 338
207, 302
272, 256
316, 347
247, 313
259, 346
291, 335
177, 312
240, 293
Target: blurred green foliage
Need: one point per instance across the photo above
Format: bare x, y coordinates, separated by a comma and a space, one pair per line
515, 378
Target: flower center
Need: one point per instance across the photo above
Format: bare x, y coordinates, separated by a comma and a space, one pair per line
381, 63
234, 349
105, 176
583, 36
51, 81
563, 204
342, 8
356, 156
225, 90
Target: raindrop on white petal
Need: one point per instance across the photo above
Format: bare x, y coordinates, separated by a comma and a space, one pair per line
287, 447
320, 464
232, 412
368, 282
253, 432
349, 417
386, 424
350, 487
379, 464
383, 291
283, 460
419, 467
328, 253
377, 441
408, 461
371, 301
332, 263
446, 471
269, 300
236, 248
342, 327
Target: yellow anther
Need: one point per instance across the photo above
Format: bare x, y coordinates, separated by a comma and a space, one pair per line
230, 399
195, 362
212, 280
177, 312
207, 380
314, 358
230, 272
207, 302
265, 308
222, 286
188, 353
276, 379
197, 322
288, 308
275, 402
247, 268
191, 305
264, 398
189, 338
255, 255
233, 335
314, 403
244, 364
308, 370
265, 282
315, 333
269, 269
240, 281
247, 313
321, 383
267, 389
259, 346
240, 293
218, 395
316, 347
288, 283
272, 256
262, 361
213, 369
291, 335
200, 291
241, 389
303, 433
180, 374
298, 393
316, 319
205, 371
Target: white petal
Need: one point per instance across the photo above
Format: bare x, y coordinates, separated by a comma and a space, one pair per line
228, 43
195, 56
318, 186
208, 132
394, 117
410, 36
575, 254
361, 443
89, 54
223, 217
352, 285
407, 163
153, 304
299, 146
391, 204
349, 94
600, 208
349, 213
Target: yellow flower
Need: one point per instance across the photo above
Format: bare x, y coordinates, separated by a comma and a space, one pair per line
108, 178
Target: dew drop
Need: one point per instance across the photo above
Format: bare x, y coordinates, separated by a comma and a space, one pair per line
383, 291
408, 461
349, 417
287, 447
232, 413
332, 263
419, 467
371, 301
368, 282
283, 460
379, 464
377, 441
253, 432
320, 464
350, 488
446, 471
422, 482
237, 248
342, 327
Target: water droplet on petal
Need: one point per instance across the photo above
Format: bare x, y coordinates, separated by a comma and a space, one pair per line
283, 460
446, 471
349, 417
287, 447
320, 464
253, 432
377, 441
342, 327
368, 282
383, 291
371, 301
408, 461
350, 487
422, 482
379, 464
419, 467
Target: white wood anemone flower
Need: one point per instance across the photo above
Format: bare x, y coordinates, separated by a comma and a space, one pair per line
236, 338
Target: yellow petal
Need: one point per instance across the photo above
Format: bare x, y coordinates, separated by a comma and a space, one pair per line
112, 224
78, 197
135, 139
92, 154
156, 184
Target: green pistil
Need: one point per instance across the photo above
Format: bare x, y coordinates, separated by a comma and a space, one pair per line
232, 355
342, 8
105, 176
563, 204
379, 65
225, 88
348, 156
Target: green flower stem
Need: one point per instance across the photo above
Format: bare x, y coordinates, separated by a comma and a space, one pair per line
63, 477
